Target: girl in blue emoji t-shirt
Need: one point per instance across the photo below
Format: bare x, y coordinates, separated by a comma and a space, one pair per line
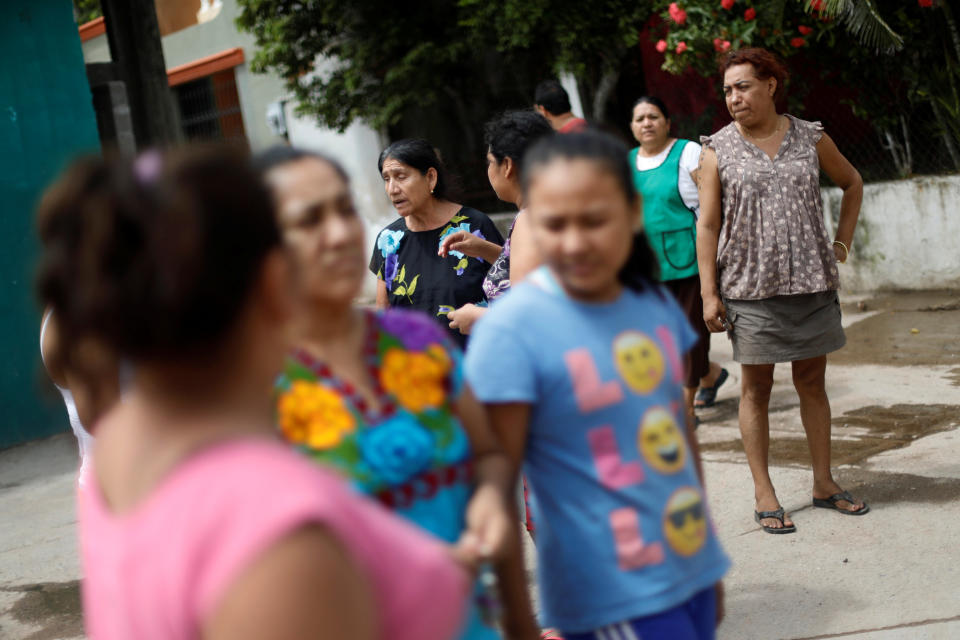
581, 368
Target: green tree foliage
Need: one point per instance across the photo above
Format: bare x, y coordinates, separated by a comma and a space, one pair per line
591, 40
86, 10
393, 56
379, 57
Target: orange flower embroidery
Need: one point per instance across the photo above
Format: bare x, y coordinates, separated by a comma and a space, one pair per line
416, 378
313, 415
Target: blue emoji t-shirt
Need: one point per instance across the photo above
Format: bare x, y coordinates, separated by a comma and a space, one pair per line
622, 525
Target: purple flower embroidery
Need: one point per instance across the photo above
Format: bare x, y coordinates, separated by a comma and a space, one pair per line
416, 332
390, 270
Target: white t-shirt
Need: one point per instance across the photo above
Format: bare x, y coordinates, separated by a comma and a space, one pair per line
689, 161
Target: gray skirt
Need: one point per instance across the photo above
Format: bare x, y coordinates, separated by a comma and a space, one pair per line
785, 328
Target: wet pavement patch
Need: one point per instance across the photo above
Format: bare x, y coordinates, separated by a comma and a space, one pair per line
909, 328
52, 606
861, 433
885, 488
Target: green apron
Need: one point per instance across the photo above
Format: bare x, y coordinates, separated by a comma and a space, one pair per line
670, 225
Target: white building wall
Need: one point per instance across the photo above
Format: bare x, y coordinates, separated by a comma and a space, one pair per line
357, 149
908, 235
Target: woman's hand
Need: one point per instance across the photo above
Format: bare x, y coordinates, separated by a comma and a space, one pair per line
464, 317
470, 245
714, 314
840, 253
487, 537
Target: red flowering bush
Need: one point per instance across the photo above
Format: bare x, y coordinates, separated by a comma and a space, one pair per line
694, 32
677, 14
925, 3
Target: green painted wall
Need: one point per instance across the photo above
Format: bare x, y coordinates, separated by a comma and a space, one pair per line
46, 118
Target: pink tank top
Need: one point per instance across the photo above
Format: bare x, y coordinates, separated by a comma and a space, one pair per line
158, 571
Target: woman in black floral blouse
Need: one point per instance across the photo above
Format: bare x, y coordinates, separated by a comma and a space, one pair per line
410, 270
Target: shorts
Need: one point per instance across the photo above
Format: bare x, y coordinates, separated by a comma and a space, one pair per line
695, 619
785, 328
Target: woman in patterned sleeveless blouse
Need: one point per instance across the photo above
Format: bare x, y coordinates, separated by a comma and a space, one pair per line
768, 268
507, 138
379, 395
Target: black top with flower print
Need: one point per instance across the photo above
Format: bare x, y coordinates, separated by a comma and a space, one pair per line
418, 278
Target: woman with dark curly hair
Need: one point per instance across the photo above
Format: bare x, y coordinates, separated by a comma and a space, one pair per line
768, 268
508, 137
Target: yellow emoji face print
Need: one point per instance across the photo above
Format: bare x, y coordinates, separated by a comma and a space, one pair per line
661, 441
638, 360
685, 521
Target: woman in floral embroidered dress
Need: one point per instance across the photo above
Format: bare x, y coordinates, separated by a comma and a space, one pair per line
380, 395
410, 270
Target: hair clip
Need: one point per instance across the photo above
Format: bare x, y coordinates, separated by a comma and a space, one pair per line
147, 166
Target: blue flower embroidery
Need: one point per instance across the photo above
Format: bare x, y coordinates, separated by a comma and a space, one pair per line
463, 226
397, 449
389, 242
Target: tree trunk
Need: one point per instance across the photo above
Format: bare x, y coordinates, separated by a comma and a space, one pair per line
134, 39
608, 82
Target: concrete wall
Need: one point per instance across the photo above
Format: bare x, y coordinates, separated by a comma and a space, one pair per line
908, 235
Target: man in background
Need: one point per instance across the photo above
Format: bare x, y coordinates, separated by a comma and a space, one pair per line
552, 102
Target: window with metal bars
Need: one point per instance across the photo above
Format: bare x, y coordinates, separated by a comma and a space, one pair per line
210, 108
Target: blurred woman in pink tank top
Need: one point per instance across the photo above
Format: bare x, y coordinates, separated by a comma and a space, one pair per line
195, 523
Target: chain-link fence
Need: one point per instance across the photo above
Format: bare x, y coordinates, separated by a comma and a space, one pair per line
915, 143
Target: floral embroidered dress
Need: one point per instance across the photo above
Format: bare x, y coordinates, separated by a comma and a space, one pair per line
411, 453
418, 278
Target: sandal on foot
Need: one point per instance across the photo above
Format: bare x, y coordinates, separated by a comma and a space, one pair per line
707, 396
777, 514
831, 503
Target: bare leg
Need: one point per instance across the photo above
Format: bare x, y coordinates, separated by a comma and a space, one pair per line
689, 395
809, 380
755, 431
711, 377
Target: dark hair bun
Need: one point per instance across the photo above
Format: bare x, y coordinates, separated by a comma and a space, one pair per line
155, 259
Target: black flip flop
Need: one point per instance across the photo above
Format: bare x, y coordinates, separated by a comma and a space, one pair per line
707, 396
831, 503
778, 514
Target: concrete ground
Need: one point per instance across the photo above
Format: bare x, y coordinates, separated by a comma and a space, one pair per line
891, 574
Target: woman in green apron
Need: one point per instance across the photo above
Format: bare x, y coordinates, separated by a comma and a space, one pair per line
665, 172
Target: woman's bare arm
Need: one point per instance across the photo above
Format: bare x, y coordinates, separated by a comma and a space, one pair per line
304, 586
383, 302
708, 237
845, 176
524, 255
